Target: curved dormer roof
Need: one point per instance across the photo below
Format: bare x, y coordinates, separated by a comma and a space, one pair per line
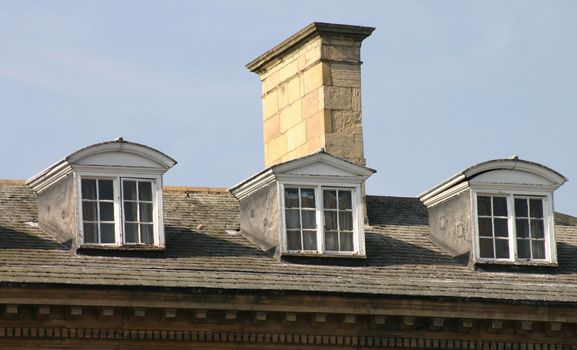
512, 171
119, 154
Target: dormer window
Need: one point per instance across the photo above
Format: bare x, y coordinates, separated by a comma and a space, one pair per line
105, 196
498, 212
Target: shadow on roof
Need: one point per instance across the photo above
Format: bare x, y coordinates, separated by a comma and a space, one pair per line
11, 239
404, 211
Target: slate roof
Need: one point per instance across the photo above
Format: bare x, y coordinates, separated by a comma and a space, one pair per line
401, 261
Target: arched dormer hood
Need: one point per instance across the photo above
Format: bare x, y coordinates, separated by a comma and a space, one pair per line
499, 211
104, 196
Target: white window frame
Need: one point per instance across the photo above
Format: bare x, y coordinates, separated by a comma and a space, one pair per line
158, 224
548, 226
358, 218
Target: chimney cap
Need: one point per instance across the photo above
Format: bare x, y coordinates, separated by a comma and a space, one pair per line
314, 29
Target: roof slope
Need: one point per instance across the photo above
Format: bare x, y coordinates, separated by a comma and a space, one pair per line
401, 259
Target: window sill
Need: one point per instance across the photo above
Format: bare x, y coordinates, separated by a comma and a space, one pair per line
517, 263
348, 255
145, 247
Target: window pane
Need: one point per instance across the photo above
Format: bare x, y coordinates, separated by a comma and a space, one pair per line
88, 189
484, 205
521, 207
130, 233
307, 198
486, 248
522, 228
331, 240
144, 191
146, 233
293, 240
346, 220
145, 212
345, 200
500, 206
89, 212
309, 240
523, 251
536, 206
291, 198
293, 219
330, 199
502, 249
105, 189
129, 190
537, 229
501, 228
107, 233
538, 249
106, 211
346, 241
130, 211
331, 220
90, 233
309, 219
485, 227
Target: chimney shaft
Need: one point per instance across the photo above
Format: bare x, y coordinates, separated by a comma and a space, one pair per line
311, 93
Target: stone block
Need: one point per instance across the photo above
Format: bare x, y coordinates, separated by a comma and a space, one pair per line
271, 128
314, 126
336, 97
277, 147
343, 74
296, 136
282, 96
288, 71
356, 99
290, 116
341, 52
311, 103
270, 104
313, 78
294, 89
270, 82
345, 121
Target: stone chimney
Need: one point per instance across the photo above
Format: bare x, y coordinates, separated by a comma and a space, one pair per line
311, 93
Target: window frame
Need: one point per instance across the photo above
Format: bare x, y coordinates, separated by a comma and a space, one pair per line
548, 226
117, 180
319, 187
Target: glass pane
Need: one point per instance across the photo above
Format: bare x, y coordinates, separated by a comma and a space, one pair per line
309, 219
502, 249
105, 189
484, 205
145, 212
130, 211
309, 240
307, 198
146, 233
293, 240
331, 240
330, 199
106, 211
521, 207
331, 220
346, 241
88, 189
129, 190
90, 233
523, 251
538, 249
499, 206
486, 248
522, 228
130, 233
107, 233
345, 200
537, 229
346, 220
293, 219
89, 212
145, 191
485, 227
291, 198
501, 228
536, 206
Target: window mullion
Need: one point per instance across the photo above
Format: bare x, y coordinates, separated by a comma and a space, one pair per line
512, 227
319, 215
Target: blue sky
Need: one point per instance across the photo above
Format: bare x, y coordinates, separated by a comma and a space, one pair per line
446, 84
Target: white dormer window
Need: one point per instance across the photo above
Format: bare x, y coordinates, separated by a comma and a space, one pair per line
119, 211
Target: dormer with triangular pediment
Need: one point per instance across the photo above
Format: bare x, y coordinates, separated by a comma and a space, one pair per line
310, 206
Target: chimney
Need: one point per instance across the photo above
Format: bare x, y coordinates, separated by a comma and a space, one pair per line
311, 93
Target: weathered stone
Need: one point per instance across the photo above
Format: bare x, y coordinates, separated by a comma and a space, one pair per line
296, 136
348, 75
312, 103
282, 96
336, 97
270, 104
290, 116
288, 71
356, 99
271, 128
341, 52
346, 121
277, 147
294, 89
313, 78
